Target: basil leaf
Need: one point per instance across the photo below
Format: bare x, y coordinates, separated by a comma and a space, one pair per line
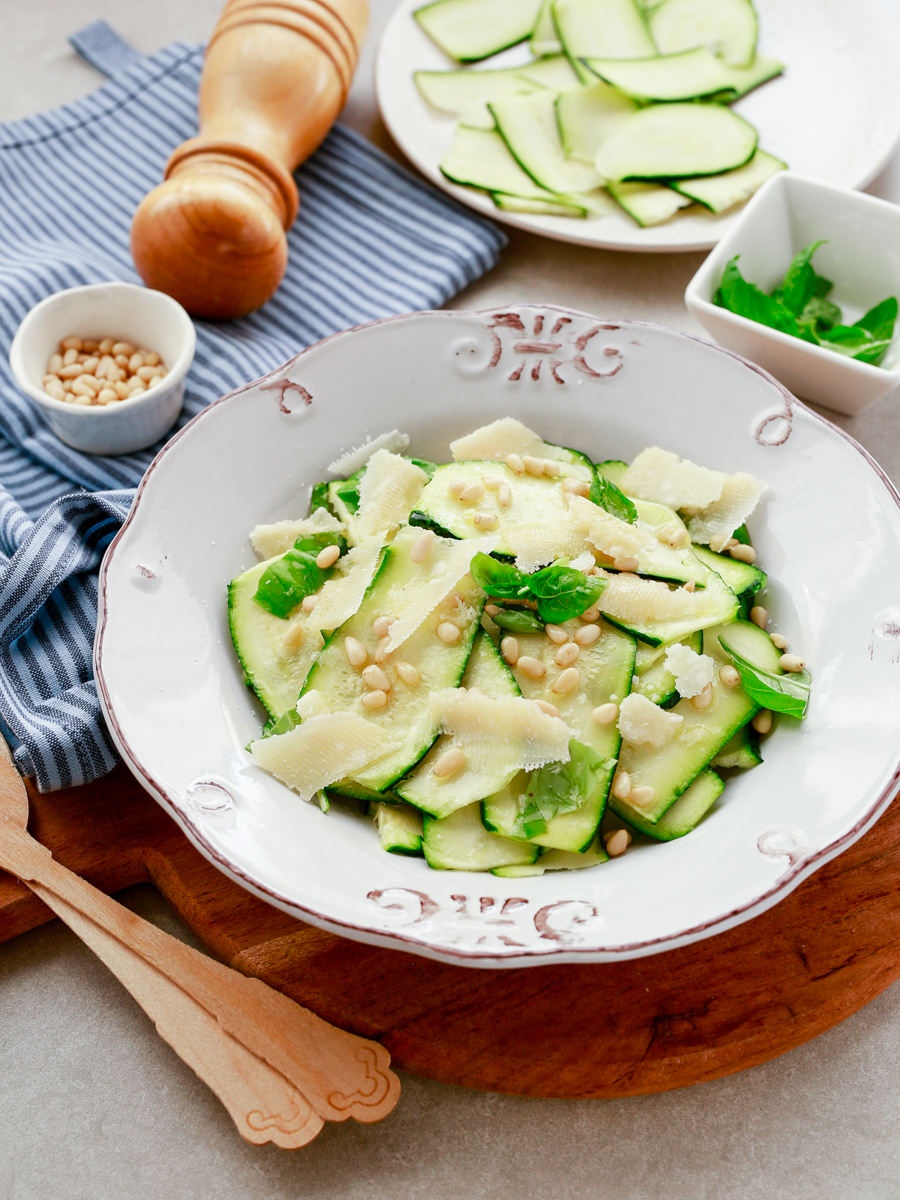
788, 693
879, 321
293, 576
821, 314
614, 500
318, 497
519, 620
348, 492
283, 724
742, 535
747, 300
558, 788
873, 354
799, 285
499, 579
563, 593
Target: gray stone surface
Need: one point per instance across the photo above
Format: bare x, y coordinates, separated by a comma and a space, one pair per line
94, 1106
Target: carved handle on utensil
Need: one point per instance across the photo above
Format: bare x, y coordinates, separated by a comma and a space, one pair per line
275, 78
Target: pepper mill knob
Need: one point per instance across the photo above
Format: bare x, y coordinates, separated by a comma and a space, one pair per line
276, 75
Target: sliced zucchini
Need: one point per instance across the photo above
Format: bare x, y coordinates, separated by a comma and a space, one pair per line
460, 842
466, 93
557, 860
719, 193
406, 719
485, 670
689, 75
276, 654
543, 38
715, 604
655, 558
685, 814
539, 208
480, 158
588, 116
744, 579
605, 669
602, 29
528, 126
727, 27
647, 203
741, 753
668, 141
399, 828
470, 30
554, 73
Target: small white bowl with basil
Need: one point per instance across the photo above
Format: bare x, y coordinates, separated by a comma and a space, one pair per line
824, 263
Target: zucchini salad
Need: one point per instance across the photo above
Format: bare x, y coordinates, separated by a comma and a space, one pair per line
625, 104
518, 660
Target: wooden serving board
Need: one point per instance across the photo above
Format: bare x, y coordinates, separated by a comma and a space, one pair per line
622, 1029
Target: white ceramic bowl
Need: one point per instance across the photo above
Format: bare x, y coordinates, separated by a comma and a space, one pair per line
828, 532
128, 313
862, 257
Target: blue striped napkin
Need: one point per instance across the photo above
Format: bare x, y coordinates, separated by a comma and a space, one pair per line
371, 241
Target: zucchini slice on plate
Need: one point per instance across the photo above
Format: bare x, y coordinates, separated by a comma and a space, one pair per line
540, 208
588, 116
647, 203
466, 94
469, 30
602, 29
728, 27
480, 158
685, 814
399, 828
528, 126
543, 38
688, 75
719, 193
460, 842
669, 141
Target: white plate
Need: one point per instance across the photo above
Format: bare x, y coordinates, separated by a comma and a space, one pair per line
829, 533
834, 114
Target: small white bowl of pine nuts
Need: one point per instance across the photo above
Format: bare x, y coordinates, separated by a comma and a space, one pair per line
106, 364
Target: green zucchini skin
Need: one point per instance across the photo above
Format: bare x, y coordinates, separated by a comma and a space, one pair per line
684, 815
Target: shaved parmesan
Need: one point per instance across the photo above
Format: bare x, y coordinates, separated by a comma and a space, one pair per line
353, 460
268, 541
641, 722
636, 601
388, 491
341, 595
312, 704
322, 750
740, 495
449, 560
692, 671
495, 441
608, 534
660, 475
516, 728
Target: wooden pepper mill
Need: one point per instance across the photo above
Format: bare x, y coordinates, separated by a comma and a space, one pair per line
275, 78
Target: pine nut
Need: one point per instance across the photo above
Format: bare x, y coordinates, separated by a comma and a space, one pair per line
504, 495
792, 663
121, 390
759, 616
89, 364
82, 389
509, 650
105, 346
566, 682
621, 787
376, 678
357, 654
779, 641
121, 360
587, 635
730, 676
515, 464
472, 493
690, 586
70, 370
55, 389
407, 673
151, 358
642, 797
492, 483
55, 363
744, 554
147, 373
531, 668
136, 362
556, 634
590, 614
567, 654
123, 348
762, 722
492, 609
328, 557
704, 699
551, 468
294, 635
546, 707
107, 395
456, 488
82, 400
90, 346
448, 633
617, 843
485, 520
71, 343
309, 603
381, 626
450, 763
576, 487
421, 547
90, 381
382, 653
605, 714
628, 563
374, 700
533, 466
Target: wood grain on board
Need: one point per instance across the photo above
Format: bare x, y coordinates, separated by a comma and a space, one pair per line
646, 1025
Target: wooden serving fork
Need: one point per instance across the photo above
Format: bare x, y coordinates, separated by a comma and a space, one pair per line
275, 78
280, 1070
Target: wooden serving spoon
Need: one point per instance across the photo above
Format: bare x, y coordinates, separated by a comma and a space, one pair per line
280, 1070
